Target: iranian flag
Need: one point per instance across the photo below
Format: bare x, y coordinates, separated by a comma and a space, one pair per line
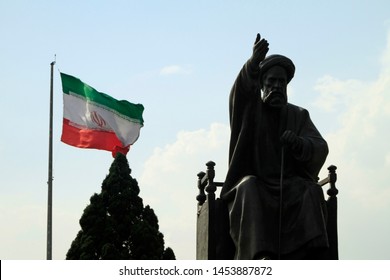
95, 120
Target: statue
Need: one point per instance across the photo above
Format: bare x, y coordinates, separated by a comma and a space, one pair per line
276, 209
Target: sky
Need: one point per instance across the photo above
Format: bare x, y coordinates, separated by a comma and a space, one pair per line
179, 59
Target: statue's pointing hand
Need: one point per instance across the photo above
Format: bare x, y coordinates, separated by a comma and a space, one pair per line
260, 49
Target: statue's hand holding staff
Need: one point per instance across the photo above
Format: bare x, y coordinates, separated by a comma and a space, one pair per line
290, 139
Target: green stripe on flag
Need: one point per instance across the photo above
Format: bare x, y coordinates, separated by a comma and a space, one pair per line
74, 86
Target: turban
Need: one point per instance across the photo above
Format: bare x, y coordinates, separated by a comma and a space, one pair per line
277, 60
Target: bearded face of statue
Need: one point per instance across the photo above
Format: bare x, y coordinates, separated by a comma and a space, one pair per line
275, 87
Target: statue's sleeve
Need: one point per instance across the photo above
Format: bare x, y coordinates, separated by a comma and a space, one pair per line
243, 90
242, 95
314, 149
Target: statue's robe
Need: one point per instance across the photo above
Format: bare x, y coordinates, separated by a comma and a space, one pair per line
252, 185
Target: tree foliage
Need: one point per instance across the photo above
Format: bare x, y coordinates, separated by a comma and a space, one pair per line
116, 225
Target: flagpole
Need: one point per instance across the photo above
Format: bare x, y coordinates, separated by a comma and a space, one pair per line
50, 175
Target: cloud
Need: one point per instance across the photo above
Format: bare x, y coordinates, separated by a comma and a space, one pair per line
173, 69
169, 183
335, 93
361, 150
22, 227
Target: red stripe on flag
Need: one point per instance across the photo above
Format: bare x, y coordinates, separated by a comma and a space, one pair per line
91, 139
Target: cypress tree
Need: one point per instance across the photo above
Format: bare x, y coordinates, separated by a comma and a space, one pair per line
116, 225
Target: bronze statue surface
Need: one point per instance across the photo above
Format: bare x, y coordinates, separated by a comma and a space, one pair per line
276, 209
